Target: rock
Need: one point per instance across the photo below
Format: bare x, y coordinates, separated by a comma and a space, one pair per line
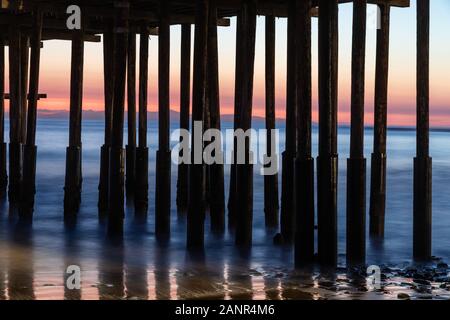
278, 240
422, 282
442, 265
403, 296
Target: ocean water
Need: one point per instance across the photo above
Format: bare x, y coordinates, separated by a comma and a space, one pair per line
34, 259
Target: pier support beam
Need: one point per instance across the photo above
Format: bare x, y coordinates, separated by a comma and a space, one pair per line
24, 64
196, 211
232, 206
216, 170
30, 149
3, 152
423, 161
15, 145
378, 167
356, 164
108, 78
244, 172
304, 164
185, 98
163, 155
131, 92
271, 202
116, 156
288, 156
141, 191
327, 162
72, 187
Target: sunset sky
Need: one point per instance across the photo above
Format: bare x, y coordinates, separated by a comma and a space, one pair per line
55, 68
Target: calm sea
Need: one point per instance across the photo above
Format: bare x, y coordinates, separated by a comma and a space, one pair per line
33, 260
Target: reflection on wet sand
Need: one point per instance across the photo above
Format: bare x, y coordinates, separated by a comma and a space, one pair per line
111, 272
20, 278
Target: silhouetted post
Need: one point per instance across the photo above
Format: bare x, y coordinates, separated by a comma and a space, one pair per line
271, 203
185, 100
287, 176
327, 162
304, 164
356, 164
30, 149
163, 155
216, 170
141, 191
196, 211
244, 173
108, 78
131, 92
72, 187
24, 64
423, 162
232, 207
15, 146
116, 156
3, 152
378, 168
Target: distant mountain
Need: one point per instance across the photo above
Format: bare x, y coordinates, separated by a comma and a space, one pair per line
99, 115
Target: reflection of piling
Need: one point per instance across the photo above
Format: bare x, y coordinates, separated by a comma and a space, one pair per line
287, 219
378, 169
327, 162
3, 172
185, 99
196, 211
304, 165
356, 164
131, 104
271, 203
423, 162
30, 149
216, 170
72, 187
163, 156
15, 147
108, 77
141, 190
244, 172
116, 161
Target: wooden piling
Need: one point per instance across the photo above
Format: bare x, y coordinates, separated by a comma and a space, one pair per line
3, 152
185, 100
15, 146
108, 78
287, 219
131, 104
141, 191
196, 211
30, 149
423, 162
163, 156
271, 202
356, 164
72, 188
378, 167
232, 206
327, 161
244, 172
24, 64
304, 164
216, 170
116, 162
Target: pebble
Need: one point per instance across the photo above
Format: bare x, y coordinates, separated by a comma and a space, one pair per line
403, 296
